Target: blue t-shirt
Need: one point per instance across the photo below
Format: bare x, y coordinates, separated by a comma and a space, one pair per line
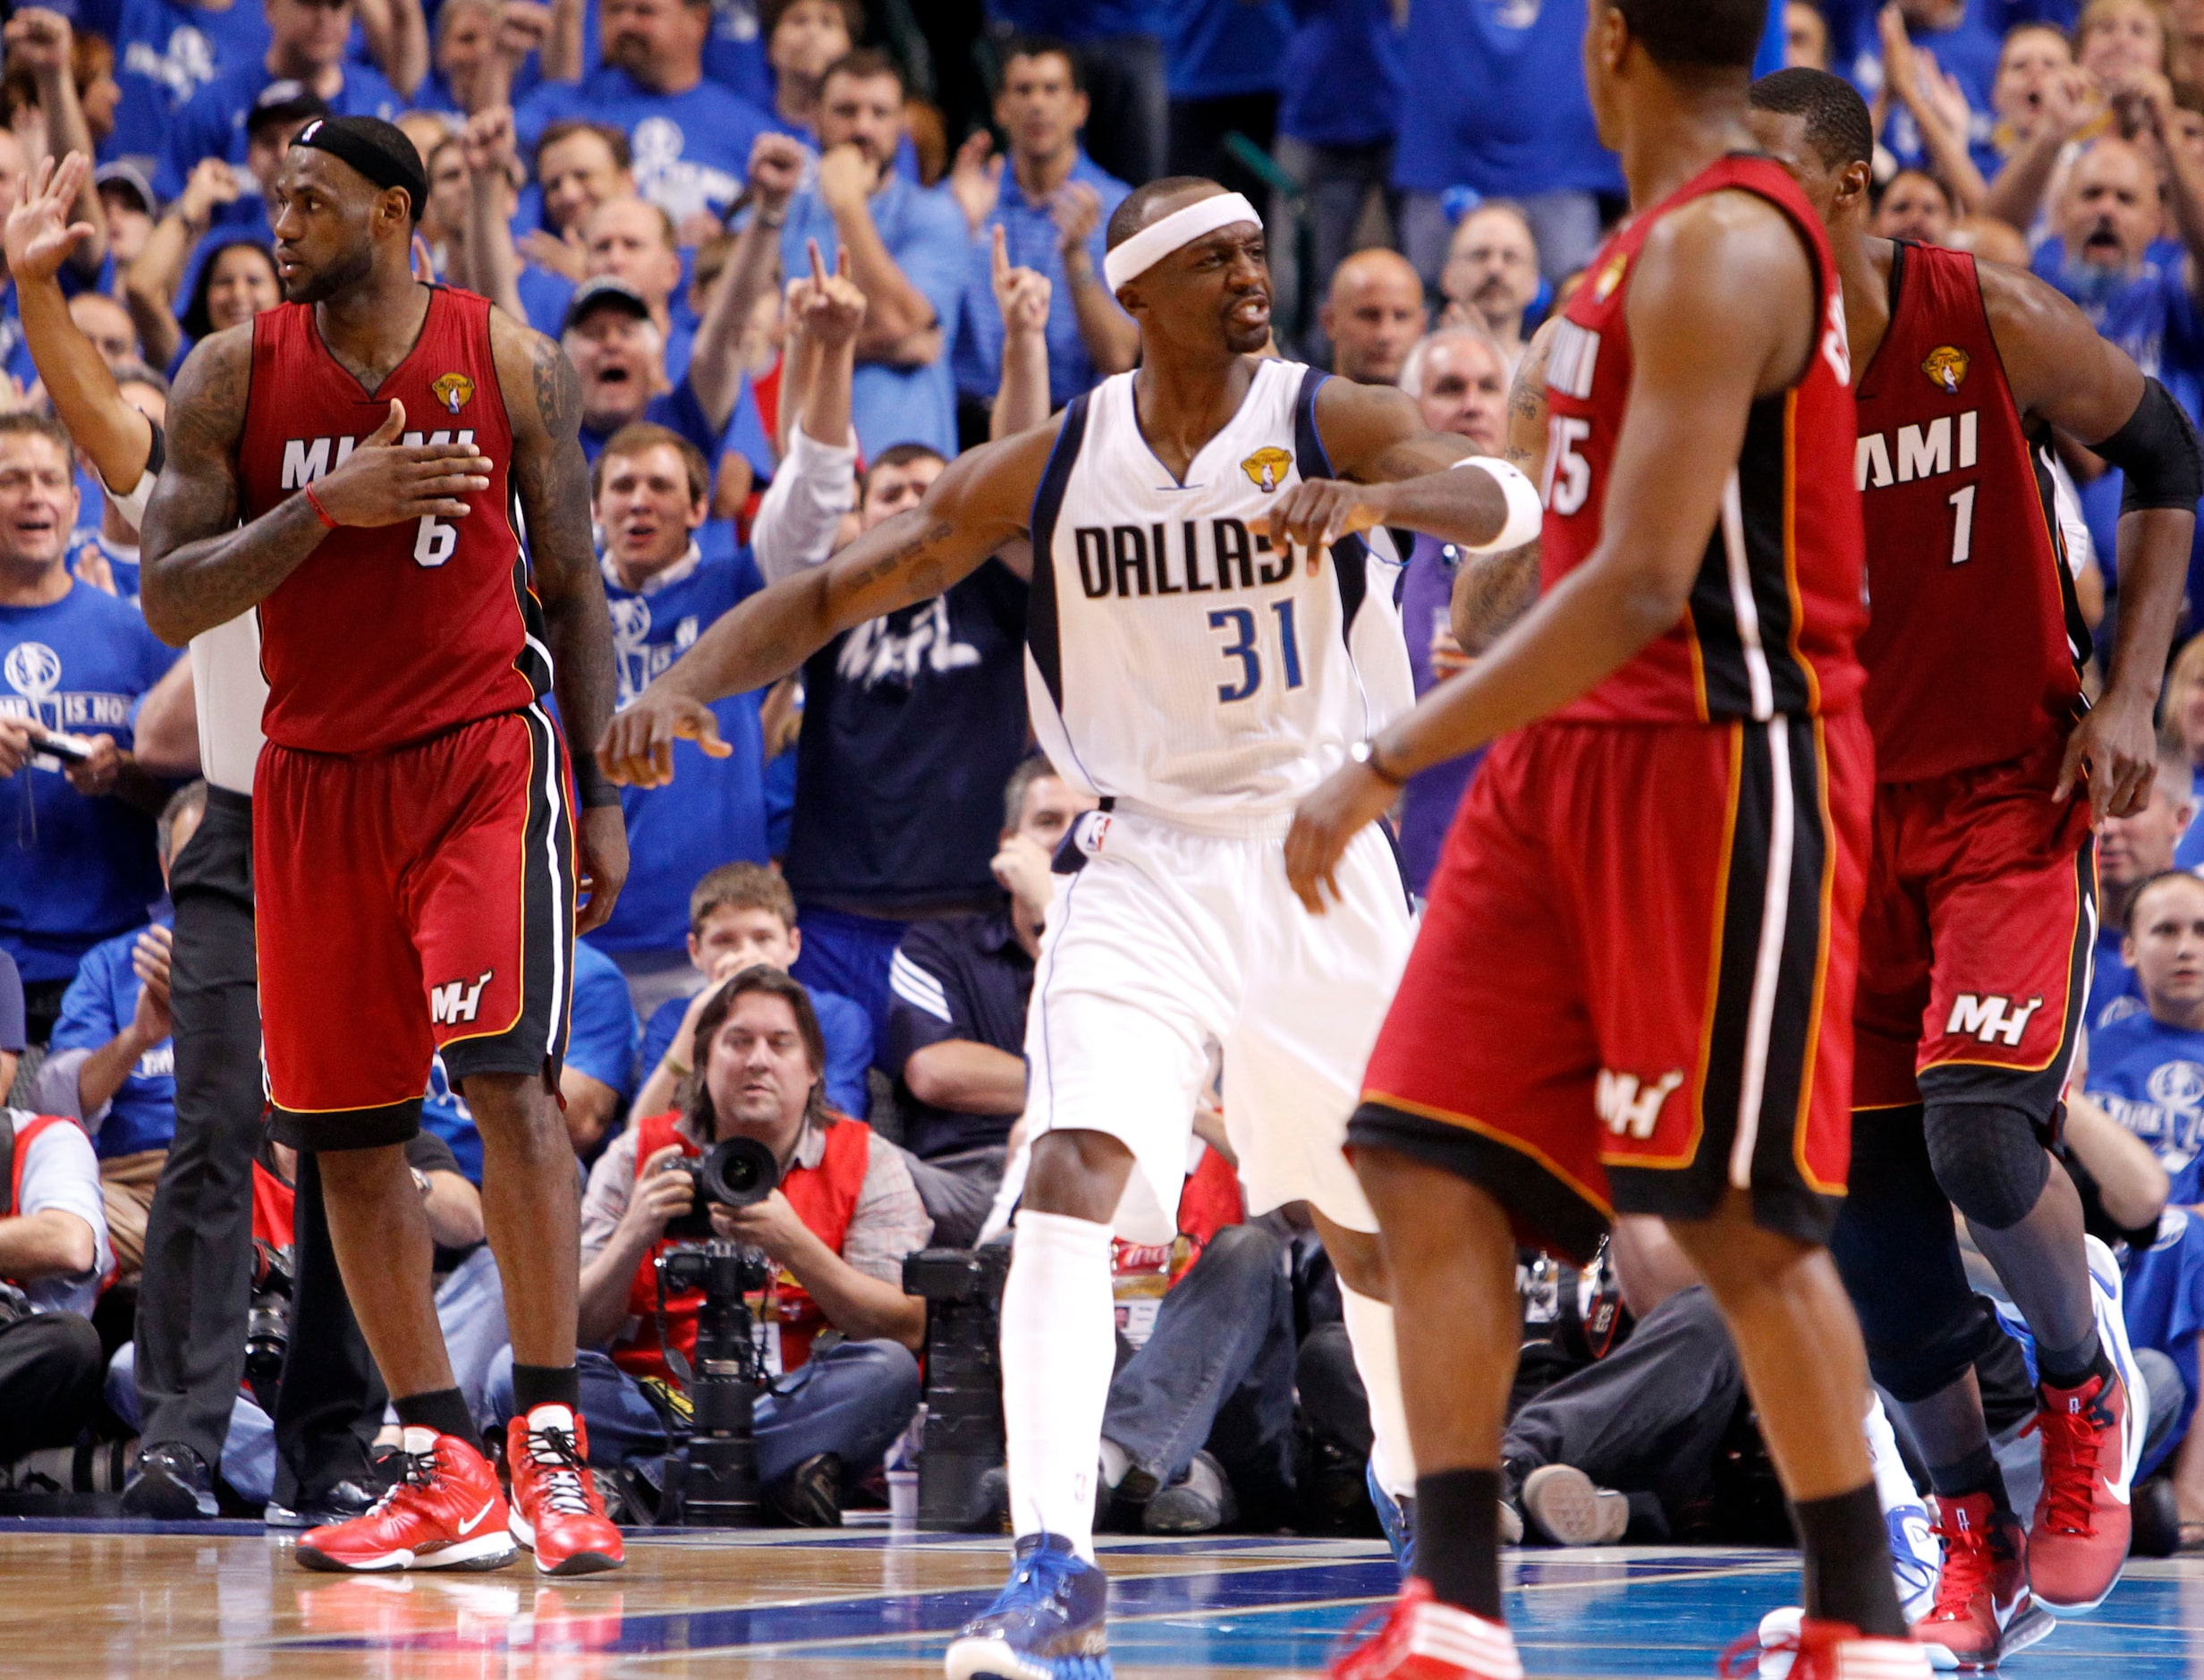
2115, 992
847, 1027
713, 811
545, 294
86, 543
734, 52
72, 870
927, 237
679, 410
1342, 44
1967, 51
98, 1005
600, 1042
1031, 234
212, 123
166, 53
1428, 802
1495, 100
1220, 48
691, 150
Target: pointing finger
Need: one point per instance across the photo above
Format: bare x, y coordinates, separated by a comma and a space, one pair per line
818, 263
1002, 255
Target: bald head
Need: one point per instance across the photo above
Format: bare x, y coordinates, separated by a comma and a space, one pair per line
2110, 214
1373, 316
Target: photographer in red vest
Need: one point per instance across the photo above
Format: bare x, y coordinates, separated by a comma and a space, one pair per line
836, 1231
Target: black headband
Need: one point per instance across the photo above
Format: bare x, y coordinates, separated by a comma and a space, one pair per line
378, 149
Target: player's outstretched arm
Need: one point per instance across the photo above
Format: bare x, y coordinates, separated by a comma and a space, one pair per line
543, 401
1723, 257
1492, 590
2065, 375
200, 567
980, 502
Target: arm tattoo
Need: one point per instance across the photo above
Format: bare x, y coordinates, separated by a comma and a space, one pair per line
558, 389
1491, 592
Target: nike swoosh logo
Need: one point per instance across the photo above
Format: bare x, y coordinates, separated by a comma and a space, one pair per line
2118, 1493
475, 1521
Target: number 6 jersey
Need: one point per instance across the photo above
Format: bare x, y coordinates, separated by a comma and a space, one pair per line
397, 633
1174, 660
1777, 604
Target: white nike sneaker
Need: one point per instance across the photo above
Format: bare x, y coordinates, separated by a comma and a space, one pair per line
1916, 1559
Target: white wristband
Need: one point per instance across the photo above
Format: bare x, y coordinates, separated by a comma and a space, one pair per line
1526, 517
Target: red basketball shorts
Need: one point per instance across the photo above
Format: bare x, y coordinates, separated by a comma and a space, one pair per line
1632, 988
410, 903
1975, 943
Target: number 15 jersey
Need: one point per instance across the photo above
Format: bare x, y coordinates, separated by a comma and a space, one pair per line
390, 634
1175, 660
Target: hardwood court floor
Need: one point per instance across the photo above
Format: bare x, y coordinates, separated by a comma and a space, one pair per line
226, 1602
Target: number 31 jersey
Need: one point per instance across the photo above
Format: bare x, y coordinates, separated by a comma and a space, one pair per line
1175, 660
389, 635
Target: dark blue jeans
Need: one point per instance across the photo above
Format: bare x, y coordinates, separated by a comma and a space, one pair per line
854, 1399
1217, 1372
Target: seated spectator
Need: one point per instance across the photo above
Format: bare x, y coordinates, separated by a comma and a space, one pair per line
54, 1236
2131, 851
112, 1068
1373, 316
956, 1020
1458, 377
77, 833
836, 1229
691, 134
1053, 209
1916, 205
307, 43
1491, 276
106, 555
910, 254
741, 916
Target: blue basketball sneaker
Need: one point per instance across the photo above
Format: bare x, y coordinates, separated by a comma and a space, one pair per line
1048, 1624
1396, 1517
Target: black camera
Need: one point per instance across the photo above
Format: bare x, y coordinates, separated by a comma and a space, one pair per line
733, 1173
963, 1289
712, 1482
268, 1321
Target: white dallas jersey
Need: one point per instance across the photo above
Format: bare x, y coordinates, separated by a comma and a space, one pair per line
1174, 660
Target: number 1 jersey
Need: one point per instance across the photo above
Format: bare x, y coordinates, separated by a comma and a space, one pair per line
389, 635
1175, 660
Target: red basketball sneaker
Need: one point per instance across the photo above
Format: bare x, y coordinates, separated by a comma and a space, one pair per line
445, 1511
556, 1512
1421, 1639
1827, 1651
1983, 1585
2079, 1539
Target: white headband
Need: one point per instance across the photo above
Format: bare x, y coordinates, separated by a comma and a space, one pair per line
1182, 227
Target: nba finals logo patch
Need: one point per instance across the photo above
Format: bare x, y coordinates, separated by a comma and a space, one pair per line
454, 391
1268, 468
1947, 368
1610, 277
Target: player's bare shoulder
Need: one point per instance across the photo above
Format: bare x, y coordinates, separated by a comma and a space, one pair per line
1734, 258
206, 407
542, 392
2060, 369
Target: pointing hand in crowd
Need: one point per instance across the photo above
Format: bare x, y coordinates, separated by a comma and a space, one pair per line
1022, 294
976, 178
40, 235
827, 308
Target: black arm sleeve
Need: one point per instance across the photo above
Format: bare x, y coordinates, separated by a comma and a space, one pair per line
2157, 451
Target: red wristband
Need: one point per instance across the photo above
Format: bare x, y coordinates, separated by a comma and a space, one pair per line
321, 513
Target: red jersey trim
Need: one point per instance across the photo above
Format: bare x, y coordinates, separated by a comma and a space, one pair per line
1802, 1118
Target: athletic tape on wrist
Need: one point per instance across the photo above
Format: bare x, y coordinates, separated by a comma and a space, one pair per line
1182, 227
1526, 515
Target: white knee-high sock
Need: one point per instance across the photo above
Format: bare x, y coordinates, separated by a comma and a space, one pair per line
1059, 1347
1369, 1332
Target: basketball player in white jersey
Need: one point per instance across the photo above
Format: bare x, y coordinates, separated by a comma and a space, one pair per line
1199, 665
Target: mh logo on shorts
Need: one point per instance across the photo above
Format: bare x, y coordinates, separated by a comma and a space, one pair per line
1992, 1020
1631, 1108
455, 1001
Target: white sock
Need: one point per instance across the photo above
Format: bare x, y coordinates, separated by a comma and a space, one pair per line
1369, 1332
1893, 1488
1059, 1350
1116, 1462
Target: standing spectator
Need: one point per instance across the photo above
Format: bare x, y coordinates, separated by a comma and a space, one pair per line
690, 135
1120, 47
41, 42
60, 94
1226, 59
1053, 213
580, 164
170, 51
804, 38
54, 1252
1491, 276
633, 239
1373, 316
1459, 378
590, 165
1496, 103
910, 254
2131, 851
837, 1229
651, 487
78, 833
307, 43
113, 1067
1341, 150
1950, 35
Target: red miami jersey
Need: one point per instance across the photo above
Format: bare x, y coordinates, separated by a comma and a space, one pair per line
394, 634
1776, 606
1974, 641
